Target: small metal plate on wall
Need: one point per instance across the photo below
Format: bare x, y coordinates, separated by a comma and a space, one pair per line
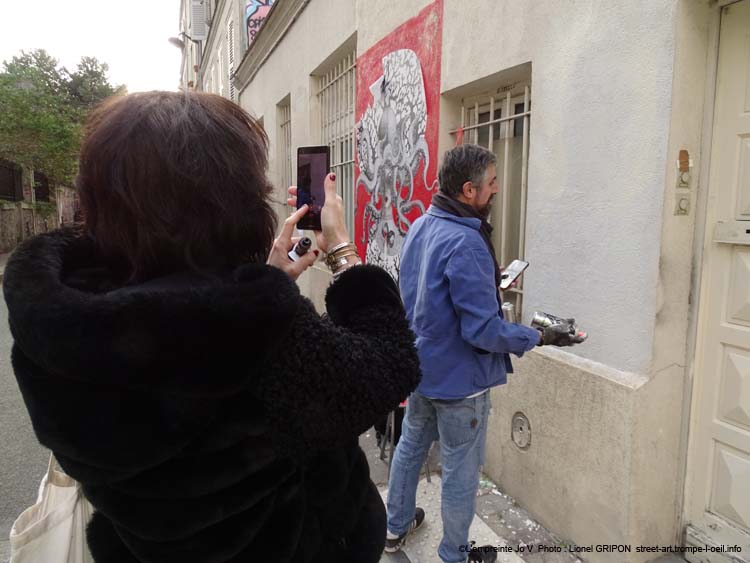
520, 431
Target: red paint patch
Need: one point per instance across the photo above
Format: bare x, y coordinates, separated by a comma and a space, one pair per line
422, 34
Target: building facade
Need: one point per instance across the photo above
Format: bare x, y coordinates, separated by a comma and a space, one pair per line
31, 203
621, 131
215, 34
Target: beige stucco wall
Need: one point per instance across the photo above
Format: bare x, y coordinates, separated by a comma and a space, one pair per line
601, 91
603, 462
607, 459
314, 37
375, 20
574, 475
617, 91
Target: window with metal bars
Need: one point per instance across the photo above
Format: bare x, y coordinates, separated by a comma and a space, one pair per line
284, 119
10, 181
500, 122
336, 99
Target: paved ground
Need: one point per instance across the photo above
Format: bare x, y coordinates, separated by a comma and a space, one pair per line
22, 460
507, 522
422, 546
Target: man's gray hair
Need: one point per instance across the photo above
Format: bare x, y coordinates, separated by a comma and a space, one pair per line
464, 163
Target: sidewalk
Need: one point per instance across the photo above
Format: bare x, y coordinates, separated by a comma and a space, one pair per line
499, 520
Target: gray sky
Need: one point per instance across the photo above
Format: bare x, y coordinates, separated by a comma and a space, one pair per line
129, 35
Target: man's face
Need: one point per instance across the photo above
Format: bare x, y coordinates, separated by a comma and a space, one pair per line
486, 191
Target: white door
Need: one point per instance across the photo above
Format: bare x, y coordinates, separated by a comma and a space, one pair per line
718, 494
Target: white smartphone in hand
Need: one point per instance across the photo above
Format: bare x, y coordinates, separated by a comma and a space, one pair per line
512, 273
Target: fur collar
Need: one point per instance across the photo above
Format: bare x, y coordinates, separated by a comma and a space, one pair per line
181, 334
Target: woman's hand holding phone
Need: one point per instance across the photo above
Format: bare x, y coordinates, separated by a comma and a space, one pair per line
334, 229
279, 256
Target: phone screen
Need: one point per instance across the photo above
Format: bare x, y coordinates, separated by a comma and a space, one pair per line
313, 164
513, 271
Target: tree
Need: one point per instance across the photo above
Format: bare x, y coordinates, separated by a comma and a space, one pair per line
39, 128
42, 109
39, 68
88, 85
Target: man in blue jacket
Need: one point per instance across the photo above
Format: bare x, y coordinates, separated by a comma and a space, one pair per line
448, 279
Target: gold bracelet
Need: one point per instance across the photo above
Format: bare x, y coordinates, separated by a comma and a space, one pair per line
346, 250
345, 253
339, 265
341, 258
344, 269
339, 246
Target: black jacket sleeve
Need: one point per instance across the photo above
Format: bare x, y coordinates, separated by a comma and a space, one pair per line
335, 376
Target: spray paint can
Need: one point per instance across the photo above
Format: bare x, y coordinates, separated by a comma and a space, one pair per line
542, 320
300, 249
509, 312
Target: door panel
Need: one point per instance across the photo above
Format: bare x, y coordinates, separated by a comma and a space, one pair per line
732, 476
734, 406
738, 301
743, 198
719, 491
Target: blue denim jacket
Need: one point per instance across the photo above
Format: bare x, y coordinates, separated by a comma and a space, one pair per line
447, 283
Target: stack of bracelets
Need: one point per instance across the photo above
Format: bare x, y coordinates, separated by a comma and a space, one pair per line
338, 257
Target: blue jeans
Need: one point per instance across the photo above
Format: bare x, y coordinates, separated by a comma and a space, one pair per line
461, 426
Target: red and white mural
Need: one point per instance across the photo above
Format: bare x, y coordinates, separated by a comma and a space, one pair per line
398, 97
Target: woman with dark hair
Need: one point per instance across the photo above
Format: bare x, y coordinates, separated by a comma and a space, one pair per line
168, 360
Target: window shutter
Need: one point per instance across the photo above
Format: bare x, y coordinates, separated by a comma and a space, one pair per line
198, 25
230, 57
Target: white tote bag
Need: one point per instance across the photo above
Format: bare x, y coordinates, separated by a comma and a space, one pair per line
54, 529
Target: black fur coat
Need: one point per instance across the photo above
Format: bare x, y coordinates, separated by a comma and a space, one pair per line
210, 419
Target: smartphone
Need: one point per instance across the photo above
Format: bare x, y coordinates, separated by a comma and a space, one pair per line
512, 273
313, 164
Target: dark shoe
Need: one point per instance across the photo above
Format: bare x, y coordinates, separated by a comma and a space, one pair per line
391, 546
483, 554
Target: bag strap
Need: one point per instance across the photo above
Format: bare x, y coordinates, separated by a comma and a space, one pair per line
47, 481
57, 476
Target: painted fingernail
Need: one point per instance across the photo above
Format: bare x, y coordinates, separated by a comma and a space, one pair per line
332, 177
317, 252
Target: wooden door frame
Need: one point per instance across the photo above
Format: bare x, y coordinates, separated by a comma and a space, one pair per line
697, 316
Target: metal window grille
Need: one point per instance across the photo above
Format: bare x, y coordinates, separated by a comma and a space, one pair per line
285, 147
500, 122
230, 60
10, 181
336, 98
